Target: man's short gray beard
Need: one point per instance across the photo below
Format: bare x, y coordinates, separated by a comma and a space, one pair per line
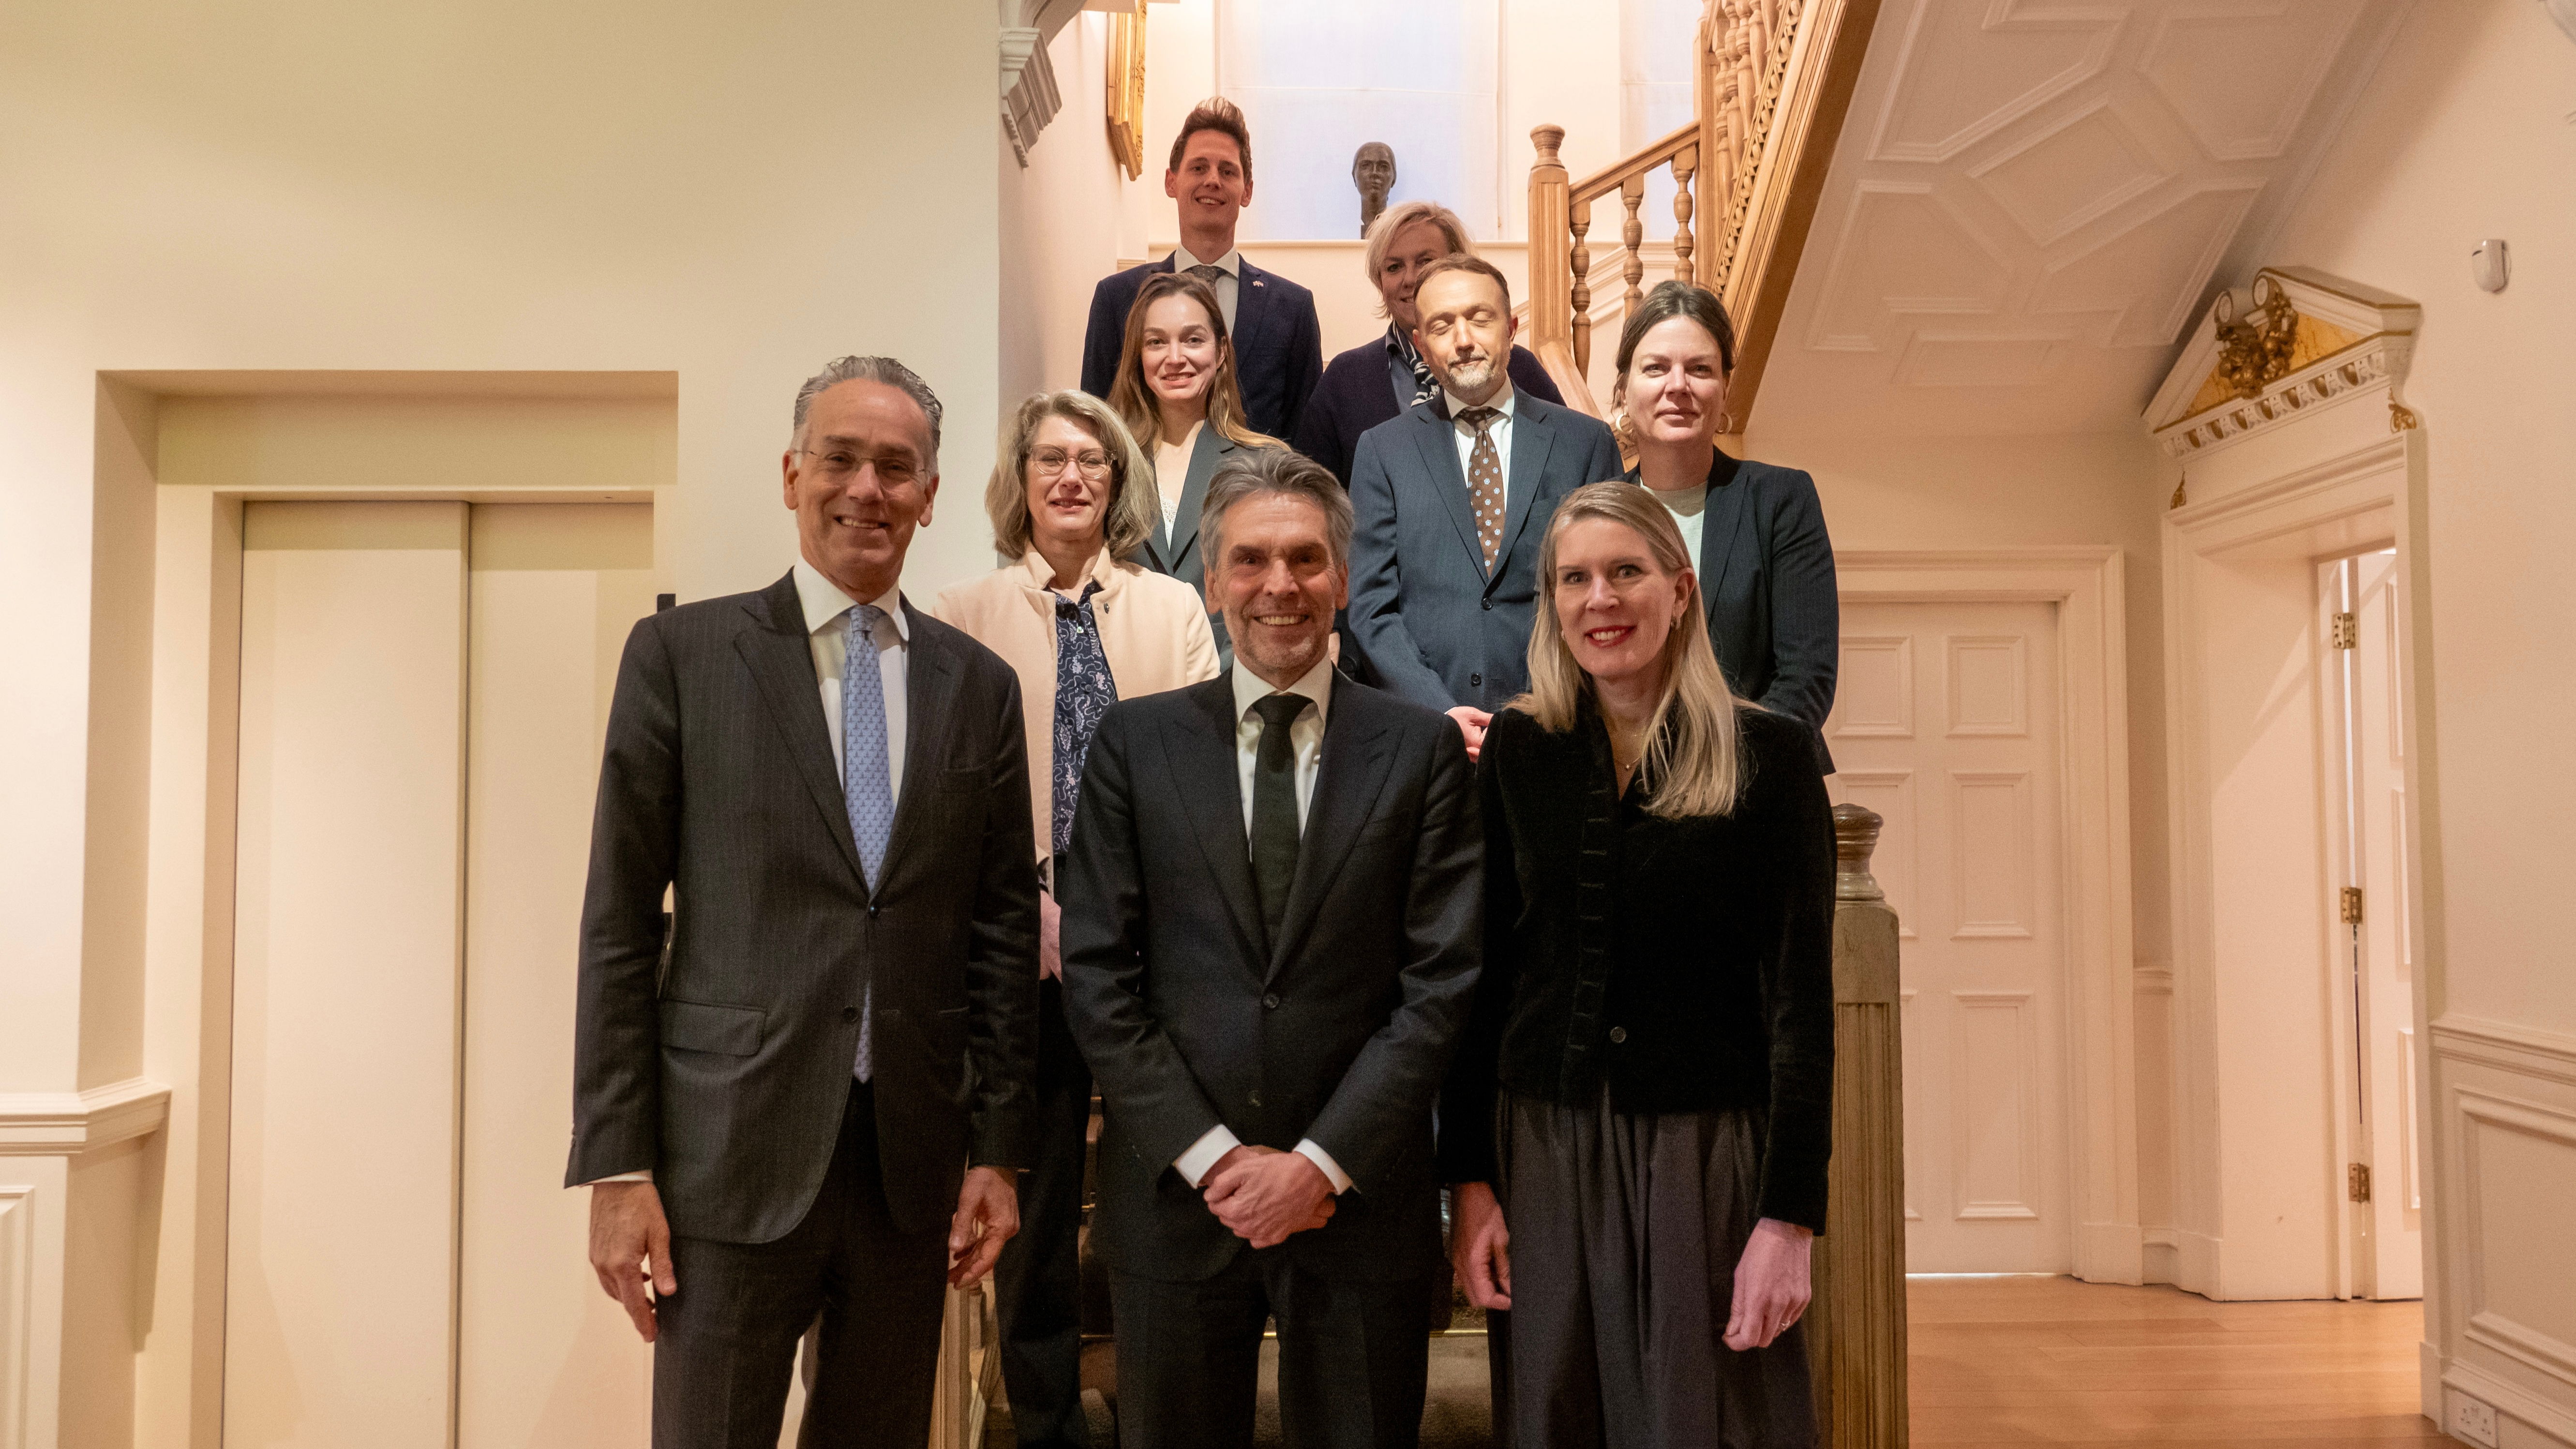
1471, 376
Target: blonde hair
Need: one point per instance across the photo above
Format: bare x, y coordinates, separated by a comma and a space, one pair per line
1381, 235
1134, 398
1694, 757
1128, 520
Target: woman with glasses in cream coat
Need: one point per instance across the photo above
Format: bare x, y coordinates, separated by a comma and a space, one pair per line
1071, 499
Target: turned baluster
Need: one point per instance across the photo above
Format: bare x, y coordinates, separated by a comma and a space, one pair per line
1633, 233
1579, 262
1685, 162
1856, 1324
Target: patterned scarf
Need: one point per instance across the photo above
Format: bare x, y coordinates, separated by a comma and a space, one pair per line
1425, 386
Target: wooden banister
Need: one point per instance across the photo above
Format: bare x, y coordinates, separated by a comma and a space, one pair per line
1774, 80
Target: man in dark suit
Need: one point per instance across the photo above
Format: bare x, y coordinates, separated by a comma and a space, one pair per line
1278, 344
1453, 500
804, 1091
1271, 928
1384, 376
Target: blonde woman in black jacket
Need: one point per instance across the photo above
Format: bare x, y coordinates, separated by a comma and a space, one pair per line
1638, 1119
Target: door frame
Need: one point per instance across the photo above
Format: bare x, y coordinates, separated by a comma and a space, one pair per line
2086, 583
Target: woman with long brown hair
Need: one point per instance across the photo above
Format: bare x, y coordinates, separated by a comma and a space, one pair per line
1638, 1118
1176, 392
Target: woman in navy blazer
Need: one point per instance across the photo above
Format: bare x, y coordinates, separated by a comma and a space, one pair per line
1766, 566
1382, 377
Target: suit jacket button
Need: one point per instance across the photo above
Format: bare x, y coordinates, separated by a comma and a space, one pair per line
1256, 1099
1271, 1001
872, 908
1618, 1034
1476, 679
849, 1013
1489, 603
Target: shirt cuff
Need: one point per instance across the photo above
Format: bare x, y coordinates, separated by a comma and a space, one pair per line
1333, 1173
1196, 1163
642, 1175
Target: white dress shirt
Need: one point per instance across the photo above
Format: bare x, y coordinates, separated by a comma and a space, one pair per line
827, 623
1306, 738
1689, 508
1504, 401
1227, 287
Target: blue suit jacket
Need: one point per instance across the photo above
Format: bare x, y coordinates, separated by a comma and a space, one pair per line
1278, 344
1434, 626
1766, 573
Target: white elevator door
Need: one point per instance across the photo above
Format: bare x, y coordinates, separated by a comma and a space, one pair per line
1947, 723
424, 689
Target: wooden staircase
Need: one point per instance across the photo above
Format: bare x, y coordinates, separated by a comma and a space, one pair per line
1774, 79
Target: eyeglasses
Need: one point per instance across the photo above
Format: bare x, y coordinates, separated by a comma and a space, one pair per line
837, 466
1050, 461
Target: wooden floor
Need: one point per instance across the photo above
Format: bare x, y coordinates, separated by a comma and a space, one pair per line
2024, 1361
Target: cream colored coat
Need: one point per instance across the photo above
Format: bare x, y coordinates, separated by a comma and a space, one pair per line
1153, 631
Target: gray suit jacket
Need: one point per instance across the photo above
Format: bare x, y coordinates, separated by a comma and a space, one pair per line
1435, 627
727, 1071
1176, 550
1339, 1030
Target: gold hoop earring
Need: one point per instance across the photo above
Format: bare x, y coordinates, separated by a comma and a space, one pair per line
1726, 424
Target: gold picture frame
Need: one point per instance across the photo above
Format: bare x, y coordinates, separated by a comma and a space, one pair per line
1127, 91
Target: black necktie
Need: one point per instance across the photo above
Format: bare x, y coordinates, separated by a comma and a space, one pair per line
1274, 806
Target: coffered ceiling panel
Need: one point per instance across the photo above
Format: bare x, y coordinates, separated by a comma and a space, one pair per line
2031, 199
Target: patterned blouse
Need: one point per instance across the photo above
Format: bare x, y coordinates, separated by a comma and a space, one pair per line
1083, 693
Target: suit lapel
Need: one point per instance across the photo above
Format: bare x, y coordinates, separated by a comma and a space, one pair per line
1251, 311
781, 659
1204, 456
1533, 438
1728, 509
1437, 436
1357, 756
1198, 758
928, 701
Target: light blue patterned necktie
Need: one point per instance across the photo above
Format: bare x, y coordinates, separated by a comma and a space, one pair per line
866, 782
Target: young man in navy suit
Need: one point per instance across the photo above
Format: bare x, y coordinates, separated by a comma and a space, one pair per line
1278, 345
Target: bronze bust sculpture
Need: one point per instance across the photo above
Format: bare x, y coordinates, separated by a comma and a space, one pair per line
1373, 172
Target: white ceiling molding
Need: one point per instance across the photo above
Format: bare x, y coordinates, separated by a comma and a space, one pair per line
1029, 95
2564, 12
2343, 341
2035, 198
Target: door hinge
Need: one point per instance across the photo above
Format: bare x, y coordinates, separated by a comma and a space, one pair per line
2352, 905
2347, 631
2357, 1181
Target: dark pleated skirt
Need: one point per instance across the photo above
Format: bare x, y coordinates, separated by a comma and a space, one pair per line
1625, 1233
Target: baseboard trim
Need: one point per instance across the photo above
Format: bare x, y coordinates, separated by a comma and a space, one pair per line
2529, 1410
2109, 1253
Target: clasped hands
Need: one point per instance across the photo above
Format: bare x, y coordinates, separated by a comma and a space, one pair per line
1263, 1194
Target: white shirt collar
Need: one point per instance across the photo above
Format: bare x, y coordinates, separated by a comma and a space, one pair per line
1502, 402
1317, 685
1231, 263
825, 603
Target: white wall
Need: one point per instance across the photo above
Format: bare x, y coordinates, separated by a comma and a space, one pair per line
2463, 135
730, 195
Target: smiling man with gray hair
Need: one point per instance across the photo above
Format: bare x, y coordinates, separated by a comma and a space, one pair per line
804, 1092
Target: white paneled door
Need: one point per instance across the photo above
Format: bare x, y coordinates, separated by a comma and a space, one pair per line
1947, 723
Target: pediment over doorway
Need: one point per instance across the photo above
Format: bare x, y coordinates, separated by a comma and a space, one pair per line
2294, 342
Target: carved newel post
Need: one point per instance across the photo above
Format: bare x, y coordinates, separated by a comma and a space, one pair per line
1856, 1327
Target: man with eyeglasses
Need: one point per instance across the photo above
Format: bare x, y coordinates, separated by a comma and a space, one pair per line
804, 1093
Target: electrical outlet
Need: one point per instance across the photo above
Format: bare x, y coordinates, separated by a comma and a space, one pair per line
2472, 1420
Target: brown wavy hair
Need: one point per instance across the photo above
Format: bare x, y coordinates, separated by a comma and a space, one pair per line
1132, 398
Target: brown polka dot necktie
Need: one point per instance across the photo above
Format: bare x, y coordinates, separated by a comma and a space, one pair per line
1485, 481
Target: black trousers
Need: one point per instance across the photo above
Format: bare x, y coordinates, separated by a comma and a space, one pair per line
1037, 1284
1353, 1357
727, 1340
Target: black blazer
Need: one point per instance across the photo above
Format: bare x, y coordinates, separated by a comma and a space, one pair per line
1433, 624
1339, 1030
1359, 391
1766, 572
1278, 344
729, 1075
1687, 963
